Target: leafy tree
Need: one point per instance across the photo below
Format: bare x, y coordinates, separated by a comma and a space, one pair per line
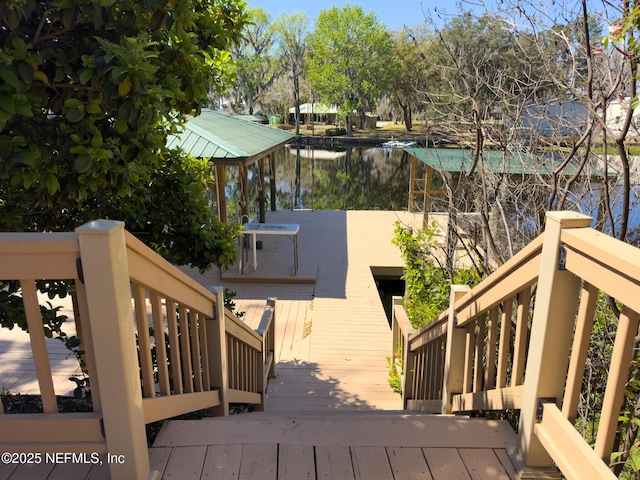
349, 55
410, 65
90, 90
256, 69
291, 31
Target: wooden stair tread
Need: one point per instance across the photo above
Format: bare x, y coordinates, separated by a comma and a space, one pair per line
328, 428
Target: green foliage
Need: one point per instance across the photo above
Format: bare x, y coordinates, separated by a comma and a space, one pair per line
396, 369
12, 314
90, 92
349, 53
255, 69
427, 283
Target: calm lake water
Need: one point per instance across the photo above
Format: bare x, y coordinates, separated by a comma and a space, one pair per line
354, 178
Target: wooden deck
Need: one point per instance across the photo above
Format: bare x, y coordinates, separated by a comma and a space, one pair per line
351, 445
333, 335
330, 413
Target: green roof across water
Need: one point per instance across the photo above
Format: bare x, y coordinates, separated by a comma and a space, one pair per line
460, 161
228, 140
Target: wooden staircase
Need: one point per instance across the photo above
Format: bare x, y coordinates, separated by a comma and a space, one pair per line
335, 445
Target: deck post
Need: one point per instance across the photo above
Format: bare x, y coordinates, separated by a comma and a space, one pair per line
105, 273
551, 335
217, 347
455, 350
271, 338
400, 337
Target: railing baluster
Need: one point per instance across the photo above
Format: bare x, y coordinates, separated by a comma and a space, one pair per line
39, 345
618, 373
478, 361
492, 345
522, 335
161, 346
185, 347
505, 341
195, 350
144, 343
468, 357
204, 352
581, 340
174, 347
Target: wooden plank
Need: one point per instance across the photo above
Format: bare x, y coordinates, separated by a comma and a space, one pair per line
259, 462
152, 271
144, 342
160, 344
38, 345
32, 471
333, 462
503, 456
408, 464
57, 428
174, 342
371, 462
311, 428
579, 350
501, 399
505, 341
99, 472
66, 471
6, 469
522, 335
296, 462
604, 262
158, 458
569, 450
238, 396
159, 408
483, 464
185, 463
445, 464
222, 462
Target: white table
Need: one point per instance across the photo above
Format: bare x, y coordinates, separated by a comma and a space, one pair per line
288, 229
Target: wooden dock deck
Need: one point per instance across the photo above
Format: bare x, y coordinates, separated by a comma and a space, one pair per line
333, 335
335, 446
330, 413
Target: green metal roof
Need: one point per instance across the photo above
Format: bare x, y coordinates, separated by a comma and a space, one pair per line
460, 161
228, 140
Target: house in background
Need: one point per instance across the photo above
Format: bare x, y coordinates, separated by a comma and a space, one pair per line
314, 112
558, 116
616, 114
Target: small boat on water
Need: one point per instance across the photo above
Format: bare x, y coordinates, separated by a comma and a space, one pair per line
399, 144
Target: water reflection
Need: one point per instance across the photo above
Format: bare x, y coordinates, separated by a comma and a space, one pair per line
354, 178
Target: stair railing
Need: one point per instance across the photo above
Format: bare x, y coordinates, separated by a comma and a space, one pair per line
519, 341
157, 344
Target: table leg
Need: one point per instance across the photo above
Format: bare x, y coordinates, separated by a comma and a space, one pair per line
295, 254
255, 255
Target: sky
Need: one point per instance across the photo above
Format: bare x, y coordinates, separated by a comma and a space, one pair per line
393, 13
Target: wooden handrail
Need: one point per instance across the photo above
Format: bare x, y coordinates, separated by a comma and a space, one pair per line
474, 361
118, 279
488, 333
512, 277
